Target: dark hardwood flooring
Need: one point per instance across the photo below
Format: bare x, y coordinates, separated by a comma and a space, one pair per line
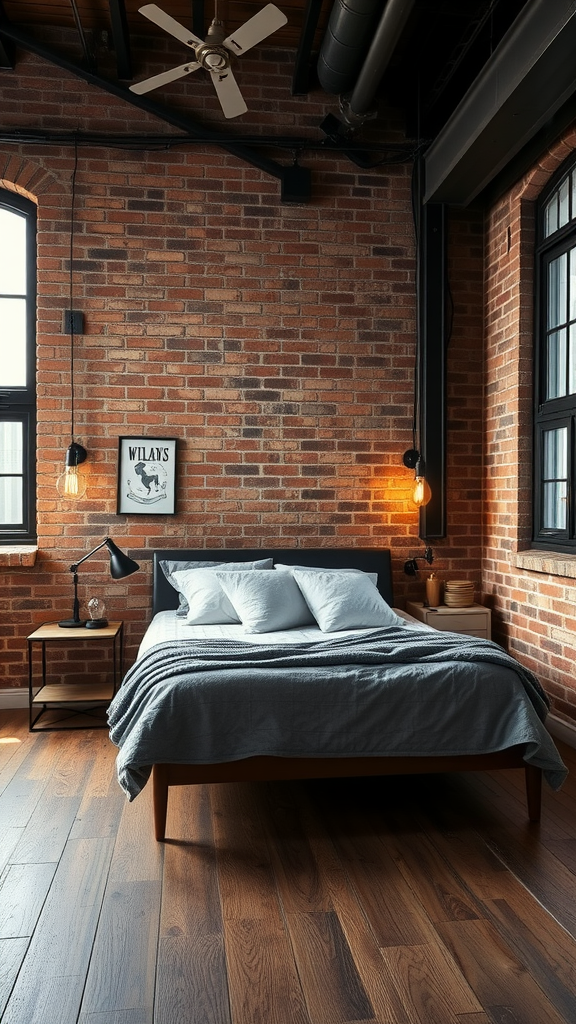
414, 900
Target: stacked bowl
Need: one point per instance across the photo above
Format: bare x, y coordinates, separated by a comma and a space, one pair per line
458, 593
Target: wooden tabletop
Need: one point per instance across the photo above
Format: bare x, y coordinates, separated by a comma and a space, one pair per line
52, 631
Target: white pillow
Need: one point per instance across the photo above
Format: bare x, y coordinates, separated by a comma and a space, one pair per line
344, 600
206, 601
171, 566
265, 601
313, 568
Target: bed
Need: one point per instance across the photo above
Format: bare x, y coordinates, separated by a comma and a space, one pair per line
340, 684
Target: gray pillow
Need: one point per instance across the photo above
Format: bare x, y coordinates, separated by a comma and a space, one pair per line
169, 567
344, 600
265, 601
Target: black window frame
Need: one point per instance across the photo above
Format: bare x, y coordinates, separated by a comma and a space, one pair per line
18, 404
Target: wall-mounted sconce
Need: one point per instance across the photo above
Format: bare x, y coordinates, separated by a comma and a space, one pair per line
411, 564
421, 492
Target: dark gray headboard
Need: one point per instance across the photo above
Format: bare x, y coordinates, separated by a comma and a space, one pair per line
368, 559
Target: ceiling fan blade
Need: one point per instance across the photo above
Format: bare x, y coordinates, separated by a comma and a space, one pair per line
231, 99
164, 78
253, 31
174, 28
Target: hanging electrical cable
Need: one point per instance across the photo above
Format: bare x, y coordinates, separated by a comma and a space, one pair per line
72, 482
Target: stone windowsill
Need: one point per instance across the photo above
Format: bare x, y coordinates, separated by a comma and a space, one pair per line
551, 562
20, 555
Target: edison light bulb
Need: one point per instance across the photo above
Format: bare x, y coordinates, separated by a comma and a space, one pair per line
71, 483
421, 493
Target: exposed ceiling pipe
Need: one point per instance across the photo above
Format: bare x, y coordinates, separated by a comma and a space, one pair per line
357, 49
350, 27
385, 40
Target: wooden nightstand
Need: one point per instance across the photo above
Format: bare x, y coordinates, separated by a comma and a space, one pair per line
86, 699
475, 620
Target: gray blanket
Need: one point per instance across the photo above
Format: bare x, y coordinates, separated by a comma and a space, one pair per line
395, 691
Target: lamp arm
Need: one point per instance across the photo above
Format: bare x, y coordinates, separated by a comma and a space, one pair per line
73, 568
411, 565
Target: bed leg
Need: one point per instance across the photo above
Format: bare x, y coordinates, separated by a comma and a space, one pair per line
160, 800
533, 776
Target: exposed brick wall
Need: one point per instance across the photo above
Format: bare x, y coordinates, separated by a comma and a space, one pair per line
276, 342
533, 611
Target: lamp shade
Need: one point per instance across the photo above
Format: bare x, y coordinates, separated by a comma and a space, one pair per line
120, 564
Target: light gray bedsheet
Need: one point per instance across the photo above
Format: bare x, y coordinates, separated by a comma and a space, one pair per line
395, 691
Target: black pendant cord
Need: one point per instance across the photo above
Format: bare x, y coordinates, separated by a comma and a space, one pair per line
72, 214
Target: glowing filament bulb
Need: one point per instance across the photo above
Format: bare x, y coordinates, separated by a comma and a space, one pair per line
421, 493
72, 482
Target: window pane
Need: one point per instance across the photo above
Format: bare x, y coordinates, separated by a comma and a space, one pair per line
572, 361
563, 211
555, 453
556, 365
12, 253
11, 440
557, 291
13, 343
11, 508
551, 216
555, 470
555, 510
572, 285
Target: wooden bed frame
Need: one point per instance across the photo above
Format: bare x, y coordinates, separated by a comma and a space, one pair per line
268, 768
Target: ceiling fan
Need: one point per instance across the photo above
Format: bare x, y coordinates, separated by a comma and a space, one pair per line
214, 52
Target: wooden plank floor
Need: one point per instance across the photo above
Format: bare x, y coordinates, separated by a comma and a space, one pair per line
399, 901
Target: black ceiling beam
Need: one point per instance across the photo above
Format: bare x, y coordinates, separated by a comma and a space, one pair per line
524, 83
88, 55
121, 39
186, 124
7, 55
301, 76
198, 18
529, 155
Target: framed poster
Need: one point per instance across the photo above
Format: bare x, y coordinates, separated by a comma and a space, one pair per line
147, 475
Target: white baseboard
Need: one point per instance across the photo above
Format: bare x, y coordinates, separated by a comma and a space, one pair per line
15, 697
565, 731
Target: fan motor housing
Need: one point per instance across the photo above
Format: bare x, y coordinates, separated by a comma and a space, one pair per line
211, 57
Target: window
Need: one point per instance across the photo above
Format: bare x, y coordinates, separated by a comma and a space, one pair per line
17, 368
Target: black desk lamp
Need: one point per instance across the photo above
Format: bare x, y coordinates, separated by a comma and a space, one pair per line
120, 566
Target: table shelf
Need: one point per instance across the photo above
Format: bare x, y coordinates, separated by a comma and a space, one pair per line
80, 698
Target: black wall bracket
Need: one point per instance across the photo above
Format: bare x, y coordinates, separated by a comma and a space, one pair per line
432, 295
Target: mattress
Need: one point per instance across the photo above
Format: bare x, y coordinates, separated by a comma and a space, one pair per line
167, 626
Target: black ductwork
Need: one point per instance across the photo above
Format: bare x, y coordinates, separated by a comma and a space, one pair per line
393, 20
348, 34
359, 42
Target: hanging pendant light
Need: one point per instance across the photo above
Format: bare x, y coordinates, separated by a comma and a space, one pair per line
72, 483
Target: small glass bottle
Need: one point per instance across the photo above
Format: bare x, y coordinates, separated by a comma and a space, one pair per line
97, 610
